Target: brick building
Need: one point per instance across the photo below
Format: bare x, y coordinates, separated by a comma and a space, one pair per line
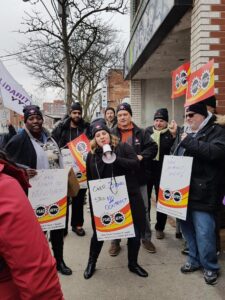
53, 111
118, 89
164, 35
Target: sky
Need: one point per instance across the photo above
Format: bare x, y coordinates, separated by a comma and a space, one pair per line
11, 17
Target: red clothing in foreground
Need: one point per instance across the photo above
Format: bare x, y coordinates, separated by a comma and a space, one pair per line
30, 272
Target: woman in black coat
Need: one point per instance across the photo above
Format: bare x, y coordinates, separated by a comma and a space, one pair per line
126, 163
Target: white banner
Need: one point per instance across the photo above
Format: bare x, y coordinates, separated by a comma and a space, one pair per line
13, 95
174, 186
48, 197
111, 208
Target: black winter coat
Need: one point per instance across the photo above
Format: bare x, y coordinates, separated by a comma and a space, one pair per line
143, 145
63, 133
5, 137
127, 164
207, 178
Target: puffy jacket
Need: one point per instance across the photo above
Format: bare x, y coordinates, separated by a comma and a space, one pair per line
207, 178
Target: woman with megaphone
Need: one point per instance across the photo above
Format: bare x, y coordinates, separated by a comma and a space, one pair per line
109, 158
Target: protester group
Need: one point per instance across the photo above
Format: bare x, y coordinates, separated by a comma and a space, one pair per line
139, 155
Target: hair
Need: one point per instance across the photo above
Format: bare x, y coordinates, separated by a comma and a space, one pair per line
114, 141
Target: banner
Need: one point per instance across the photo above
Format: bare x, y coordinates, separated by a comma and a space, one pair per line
79, 148
68, 162
200, 84
174, 186
13, 95
180, 79
111, 208
48, 197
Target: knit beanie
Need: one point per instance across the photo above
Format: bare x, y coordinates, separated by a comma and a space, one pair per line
162, 114
198, 108
99, 127
76, 106
124, 106
30, 110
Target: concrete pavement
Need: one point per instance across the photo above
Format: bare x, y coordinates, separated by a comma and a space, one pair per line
112, 279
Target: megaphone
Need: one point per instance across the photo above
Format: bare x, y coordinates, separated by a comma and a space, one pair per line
108, 156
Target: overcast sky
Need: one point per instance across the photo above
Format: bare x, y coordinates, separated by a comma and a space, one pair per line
11, 14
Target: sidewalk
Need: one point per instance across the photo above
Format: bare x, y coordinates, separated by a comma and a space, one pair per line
112, 279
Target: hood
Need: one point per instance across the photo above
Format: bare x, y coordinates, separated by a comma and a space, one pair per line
220, 120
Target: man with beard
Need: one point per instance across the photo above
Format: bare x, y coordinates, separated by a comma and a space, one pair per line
66, 131
110, 117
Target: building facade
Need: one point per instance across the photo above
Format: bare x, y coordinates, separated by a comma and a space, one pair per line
164, 35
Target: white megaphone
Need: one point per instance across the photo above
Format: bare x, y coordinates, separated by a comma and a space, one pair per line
108, 156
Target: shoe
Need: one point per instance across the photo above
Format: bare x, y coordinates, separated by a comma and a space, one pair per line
138, 270
89, 271
210, 276
114, 249
148, 245
188, 268
78, 231
159, 234
185, 251
63, 269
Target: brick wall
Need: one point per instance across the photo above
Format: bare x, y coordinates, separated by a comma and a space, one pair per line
136, 103
208, 41
118, 88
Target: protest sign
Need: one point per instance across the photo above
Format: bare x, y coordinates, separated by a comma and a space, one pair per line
200, 84
48, 197
174, 186
79, 148
69, 162
13, 95
111, 207
180, 79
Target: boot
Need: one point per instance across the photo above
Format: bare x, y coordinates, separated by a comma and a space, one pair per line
89, 271
57, 247
62, 268
95, 249
133, 249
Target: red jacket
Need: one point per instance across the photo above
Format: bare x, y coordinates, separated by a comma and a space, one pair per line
30, 271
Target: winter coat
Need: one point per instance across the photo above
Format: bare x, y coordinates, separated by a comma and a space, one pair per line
207, 178
27, 268
63, 133
166, 142
127, 164
143, 145
5, 137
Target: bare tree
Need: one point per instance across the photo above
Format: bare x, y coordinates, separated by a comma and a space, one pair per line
67, 36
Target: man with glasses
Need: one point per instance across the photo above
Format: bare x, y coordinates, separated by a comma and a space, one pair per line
204, 140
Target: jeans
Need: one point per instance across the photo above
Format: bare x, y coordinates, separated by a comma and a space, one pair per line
199, 232
148, 234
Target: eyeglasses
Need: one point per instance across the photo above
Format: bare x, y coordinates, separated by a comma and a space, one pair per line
190, 115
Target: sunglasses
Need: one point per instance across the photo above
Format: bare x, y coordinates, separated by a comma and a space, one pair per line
190, 115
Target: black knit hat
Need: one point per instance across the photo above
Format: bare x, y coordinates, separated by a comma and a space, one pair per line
198, 108
110, 108
30, 110
124, 106
211, 101
76, 106
98, 127
162, 114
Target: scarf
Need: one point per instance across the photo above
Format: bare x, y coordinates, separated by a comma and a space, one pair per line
156, 137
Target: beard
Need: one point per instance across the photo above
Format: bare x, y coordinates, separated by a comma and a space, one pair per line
76, 121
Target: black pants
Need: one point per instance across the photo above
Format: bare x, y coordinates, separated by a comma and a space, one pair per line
160, 217
57, 242
133, 248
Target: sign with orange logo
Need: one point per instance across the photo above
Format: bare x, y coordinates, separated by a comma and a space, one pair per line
180, 79
174, 186
111, 207
200, 84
